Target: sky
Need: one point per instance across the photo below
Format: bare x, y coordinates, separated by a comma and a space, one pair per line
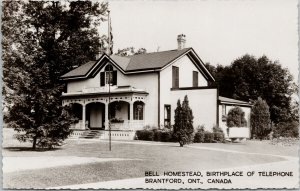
220, 31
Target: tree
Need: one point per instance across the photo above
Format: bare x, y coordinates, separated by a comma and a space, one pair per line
248, 78
129, 51
260, 119
183, 126
236, 118
286, 129
41, 41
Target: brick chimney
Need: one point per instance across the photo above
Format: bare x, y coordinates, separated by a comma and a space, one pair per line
181, 41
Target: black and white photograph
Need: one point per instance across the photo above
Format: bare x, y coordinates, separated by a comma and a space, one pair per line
134, 94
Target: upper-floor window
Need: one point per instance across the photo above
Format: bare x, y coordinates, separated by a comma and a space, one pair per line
195, 79
109, 76
175, 77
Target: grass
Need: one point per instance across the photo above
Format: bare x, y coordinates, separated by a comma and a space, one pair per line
153, 157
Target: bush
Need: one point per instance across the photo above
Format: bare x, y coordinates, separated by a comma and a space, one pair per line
217, 129
202, 136
260, 119
208, 137
146, 135
199, 137
219, 137
166, 136
183, 126
157, 135
286, 129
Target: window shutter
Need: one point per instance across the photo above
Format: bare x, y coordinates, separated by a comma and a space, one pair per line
114, 78
175, 77
195, 79
128, 111
102, 78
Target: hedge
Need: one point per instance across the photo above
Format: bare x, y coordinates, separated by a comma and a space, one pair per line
200, 136
155, 135
208, 137
145, 135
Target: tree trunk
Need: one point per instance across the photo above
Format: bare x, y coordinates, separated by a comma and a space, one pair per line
34, 143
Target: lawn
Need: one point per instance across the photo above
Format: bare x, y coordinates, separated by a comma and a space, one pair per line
154, 157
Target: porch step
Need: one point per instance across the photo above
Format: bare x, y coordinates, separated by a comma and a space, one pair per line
91, 134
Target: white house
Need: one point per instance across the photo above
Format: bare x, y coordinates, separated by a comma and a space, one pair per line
144, 91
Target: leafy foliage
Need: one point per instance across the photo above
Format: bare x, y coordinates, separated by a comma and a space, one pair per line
236, 118
41, 41
130, 51
183, 126
248, 78
286, 129
146, 135
260, 119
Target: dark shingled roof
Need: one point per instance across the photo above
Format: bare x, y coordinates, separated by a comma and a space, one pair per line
225, 99
80, 71
155, 60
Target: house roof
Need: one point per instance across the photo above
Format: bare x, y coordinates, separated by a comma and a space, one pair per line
99, 91
233, 101
135, 63
154, 60
81, 70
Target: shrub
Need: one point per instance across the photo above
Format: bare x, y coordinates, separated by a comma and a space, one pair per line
157, 135
208, 137
166, 136
217, 129
146, 135
286, 129
183, 126
260, 119
199, 135
219, 137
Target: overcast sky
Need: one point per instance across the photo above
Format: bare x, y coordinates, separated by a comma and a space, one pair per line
219, 31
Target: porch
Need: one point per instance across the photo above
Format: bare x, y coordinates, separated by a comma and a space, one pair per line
103, 134
101, 110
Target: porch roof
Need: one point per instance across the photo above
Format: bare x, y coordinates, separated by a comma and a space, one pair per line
113, 91
226, 100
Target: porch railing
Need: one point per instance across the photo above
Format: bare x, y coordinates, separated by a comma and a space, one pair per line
78, 125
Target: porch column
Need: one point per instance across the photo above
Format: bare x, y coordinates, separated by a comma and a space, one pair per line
83, 117
106, 116
131, 111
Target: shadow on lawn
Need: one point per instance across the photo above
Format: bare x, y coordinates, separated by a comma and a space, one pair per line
30, 149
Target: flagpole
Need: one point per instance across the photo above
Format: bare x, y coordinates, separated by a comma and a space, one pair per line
109, 40
108, 52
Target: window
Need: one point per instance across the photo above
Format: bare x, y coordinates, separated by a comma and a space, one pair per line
167, 115
195, 79
138, 111
109, 76
223, 109
224, 113
175, 77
